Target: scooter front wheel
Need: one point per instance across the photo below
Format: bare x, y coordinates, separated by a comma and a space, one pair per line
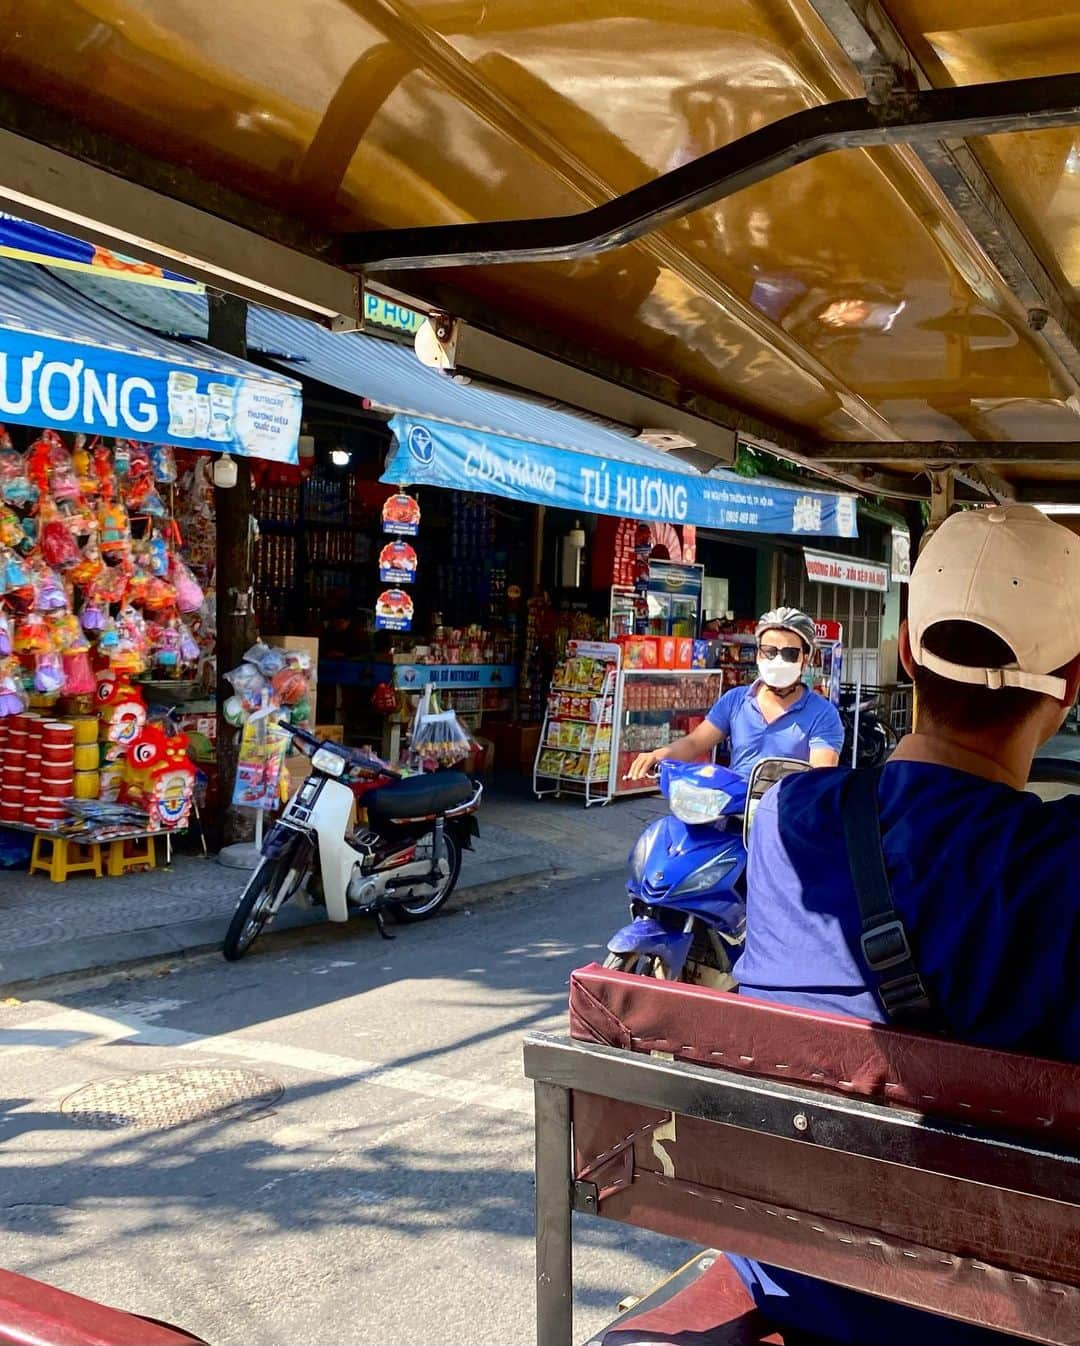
641, 964
272, 884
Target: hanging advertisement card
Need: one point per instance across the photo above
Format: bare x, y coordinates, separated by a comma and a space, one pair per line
401, 515
397, 563
393, 611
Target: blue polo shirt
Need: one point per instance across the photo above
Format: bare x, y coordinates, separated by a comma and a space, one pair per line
810, 722
984, 877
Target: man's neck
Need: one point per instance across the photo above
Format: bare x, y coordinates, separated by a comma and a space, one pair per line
782, 699
1007, 761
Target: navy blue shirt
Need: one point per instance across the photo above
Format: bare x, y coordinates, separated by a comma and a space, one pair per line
987, 881
809, 722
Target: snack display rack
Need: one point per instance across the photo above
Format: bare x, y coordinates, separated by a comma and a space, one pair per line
652, 708
738, 658
574, 751
601, 713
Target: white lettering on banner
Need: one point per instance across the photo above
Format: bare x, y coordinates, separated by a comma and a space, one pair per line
99, 402
523, 473
69, 374
21, 405
849, 572
142, 418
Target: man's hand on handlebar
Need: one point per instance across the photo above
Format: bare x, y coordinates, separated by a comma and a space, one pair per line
646, 764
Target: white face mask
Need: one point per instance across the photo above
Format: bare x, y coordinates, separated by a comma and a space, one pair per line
778, 674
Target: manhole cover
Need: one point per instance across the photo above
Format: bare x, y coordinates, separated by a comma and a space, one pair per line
170, 1097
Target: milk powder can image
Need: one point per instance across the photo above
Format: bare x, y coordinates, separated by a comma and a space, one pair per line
222, 404
202, 415
182, 403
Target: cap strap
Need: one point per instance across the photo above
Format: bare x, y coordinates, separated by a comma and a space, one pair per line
993, 678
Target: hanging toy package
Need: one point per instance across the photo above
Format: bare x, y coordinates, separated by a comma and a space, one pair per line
16, 488
189, 594
163, 464
12, 696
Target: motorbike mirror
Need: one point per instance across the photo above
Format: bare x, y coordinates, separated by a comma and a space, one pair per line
764, 776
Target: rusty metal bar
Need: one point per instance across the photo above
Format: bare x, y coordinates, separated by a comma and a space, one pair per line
903, 118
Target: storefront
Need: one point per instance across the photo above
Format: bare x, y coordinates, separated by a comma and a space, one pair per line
534, 528
104, 594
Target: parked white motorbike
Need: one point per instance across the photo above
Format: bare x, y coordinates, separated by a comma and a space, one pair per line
406, 860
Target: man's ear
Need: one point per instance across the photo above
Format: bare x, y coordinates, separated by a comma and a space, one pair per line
904, 649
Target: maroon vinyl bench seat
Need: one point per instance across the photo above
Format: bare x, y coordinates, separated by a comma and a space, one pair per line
35, 1314
936, 1174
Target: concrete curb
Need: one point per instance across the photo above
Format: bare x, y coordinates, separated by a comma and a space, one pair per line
99, 954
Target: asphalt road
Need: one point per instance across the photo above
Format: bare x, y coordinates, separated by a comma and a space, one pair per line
385, 1197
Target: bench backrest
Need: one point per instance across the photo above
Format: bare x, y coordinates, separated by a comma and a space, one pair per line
934, 1173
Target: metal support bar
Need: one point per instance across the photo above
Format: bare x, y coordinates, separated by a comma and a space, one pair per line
885, 62
945, 451
554, 1206
849, 1125
904, 118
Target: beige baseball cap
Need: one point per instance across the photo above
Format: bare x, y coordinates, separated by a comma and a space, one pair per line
1016, 572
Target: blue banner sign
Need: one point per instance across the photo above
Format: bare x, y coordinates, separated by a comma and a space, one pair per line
28, 242
431, 453
413, 676
104, 390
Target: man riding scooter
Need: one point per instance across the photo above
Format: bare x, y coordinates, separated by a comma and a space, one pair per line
776, 716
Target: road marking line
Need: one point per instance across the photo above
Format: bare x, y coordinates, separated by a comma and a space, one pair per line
101, 1029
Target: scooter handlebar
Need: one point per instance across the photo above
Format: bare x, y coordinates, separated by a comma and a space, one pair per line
366, 762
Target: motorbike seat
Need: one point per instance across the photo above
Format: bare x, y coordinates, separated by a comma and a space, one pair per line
419, 796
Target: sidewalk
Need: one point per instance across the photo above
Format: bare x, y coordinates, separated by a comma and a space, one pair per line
58, 929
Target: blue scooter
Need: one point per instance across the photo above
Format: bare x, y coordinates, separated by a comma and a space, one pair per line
687, 875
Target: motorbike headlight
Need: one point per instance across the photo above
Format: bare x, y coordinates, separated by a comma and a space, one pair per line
692, 803
640, 854
329, 763
709, 875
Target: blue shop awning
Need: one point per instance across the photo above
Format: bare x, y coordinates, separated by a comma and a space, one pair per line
476, 439
69, 362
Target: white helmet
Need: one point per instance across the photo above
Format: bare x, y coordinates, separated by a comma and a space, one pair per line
789, 619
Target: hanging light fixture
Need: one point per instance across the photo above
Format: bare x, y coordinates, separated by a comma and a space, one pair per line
225, 472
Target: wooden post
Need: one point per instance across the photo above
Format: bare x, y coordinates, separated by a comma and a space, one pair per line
233, 578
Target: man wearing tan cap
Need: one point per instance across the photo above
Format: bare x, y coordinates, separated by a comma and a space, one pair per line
936, 892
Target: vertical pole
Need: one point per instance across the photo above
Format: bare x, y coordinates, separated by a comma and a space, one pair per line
855, 726
227, 332
537, 558
554, 1250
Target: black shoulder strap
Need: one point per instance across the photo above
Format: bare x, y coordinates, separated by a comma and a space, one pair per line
884, 940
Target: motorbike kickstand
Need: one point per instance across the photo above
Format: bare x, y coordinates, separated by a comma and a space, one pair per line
380, 922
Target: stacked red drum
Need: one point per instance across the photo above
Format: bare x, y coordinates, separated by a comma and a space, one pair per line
57, 771
37, 770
